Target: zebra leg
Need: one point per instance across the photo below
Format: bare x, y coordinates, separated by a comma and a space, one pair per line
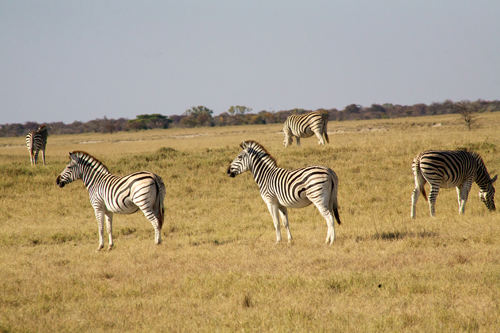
330, 236
148, 212
298, 140
284, 219
148, 207
36, 156
43, 156
109, 228
463, 194
414, 199
156, 225
459, 197
432, 198
327, 214
319, 134
99, 215
273, 209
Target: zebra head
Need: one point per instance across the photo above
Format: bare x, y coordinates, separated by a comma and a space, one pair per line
73, 171
488, 196
241, 163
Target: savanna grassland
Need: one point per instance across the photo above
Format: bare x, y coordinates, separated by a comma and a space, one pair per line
219, 269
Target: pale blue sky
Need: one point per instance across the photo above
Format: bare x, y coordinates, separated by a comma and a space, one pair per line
80, 60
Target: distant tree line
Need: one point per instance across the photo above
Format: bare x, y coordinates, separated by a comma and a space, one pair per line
199, 116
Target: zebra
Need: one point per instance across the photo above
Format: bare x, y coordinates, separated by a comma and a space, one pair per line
451, 168
114, 194
36, 141
282, 188
305, 126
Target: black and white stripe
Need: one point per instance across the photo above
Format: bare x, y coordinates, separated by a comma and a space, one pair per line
282, 188
451, 168
36, 141
305, 126
114, 194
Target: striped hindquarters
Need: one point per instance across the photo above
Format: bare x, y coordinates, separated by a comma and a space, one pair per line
305, 125
36, 140
123, 194
29, 141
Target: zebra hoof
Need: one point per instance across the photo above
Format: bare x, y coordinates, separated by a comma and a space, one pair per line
110, 247
99, 248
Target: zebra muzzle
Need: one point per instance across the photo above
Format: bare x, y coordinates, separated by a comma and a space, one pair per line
229, 173
58, 182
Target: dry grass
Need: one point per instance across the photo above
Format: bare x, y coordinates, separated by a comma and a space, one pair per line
218, 268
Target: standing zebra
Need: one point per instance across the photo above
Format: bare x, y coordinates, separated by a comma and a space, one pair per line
113, 194
282, 188
304, 126
451, 168
36, 141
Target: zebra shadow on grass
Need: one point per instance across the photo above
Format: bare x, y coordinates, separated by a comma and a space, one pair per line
397, 235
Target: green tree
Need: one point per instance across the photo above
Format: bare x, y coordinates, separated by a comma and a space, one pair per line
149, 121
197, 116
352, 108
238, 110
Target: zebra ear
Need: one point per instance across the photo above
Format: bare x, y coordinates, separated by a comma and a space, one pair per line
243, 145
494, 179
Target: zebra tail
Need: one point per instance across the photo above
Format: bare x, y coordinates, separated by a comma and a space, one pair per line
336, 213
419, 178
325, 130
335, 205
160, 186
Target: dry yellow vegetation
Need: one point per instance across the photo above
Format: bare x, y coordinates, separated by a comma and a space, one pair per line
218, 268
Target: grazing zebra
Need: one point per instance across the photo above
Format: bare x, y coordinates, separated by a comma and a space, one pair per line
282, 188
36, 141
447, 169
305, 126
113, 194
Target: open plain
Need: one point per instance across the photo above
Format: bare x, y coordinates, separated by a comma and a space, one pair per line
219, 269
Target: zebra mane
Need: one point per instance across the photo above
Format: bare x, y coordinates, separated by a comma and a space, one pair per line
89, 158
479, 160
257, 147
474, 155
482, 171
